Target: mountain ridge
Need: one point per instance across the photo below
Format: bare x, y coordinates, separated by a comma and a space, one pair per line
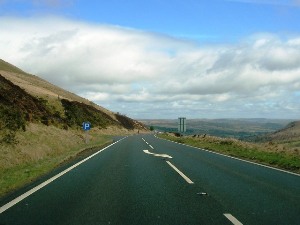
39, 87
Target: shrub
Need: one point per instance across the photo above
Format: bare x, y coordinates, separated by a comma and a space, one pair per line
11, 120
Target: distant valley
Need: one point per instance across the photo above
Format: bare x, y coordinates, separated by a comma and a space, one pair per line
243, 129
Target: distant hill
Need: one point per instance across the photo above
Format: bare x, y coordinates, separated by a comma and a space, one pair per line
26, 98
290, 133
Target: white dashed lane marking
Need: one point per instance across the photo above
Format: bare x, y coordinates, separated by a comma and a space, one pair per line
232, 219
180, 173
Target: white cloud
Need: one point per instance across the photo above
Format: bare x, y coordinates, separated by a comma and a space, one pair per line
152, 75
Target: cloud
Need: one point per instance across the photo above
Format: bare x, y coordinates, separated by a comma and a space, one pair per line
151, 75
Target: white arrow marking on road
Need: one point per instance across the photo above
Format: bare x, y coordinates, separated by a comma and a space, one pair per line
158, 155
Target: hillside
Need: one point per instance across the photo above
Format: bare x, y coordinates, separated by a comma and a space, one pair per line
40, 127
40, 88
57, 102
289, 135
5, 66
290, 132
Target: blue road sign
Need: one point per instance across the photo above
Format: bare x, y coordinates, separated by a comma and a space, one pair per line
86, 126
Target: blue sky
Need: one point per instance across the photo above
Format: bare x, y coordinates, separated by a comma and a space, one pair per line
211, 20
163, 59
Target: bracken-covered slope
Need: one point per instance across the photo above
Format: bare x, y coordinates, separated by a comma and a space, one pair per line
33, 99
40, 127
41, 88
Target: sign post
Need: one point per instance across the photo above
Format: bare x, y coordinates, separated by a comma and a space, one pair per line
86, 126
181, 124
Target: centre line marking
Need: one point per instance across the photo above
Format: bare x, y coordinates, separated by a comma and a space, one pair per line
151, 146
232, 219
145, 141
180, 173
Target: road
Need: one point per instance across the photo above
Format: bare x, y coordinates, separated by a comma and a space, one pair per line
142, 179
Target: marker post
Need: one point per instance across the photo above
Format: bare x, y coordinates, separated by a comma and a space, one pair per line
181, 125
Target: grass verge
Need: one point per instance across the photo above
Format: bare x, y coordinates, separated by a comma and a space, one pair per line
41, 150
260, 153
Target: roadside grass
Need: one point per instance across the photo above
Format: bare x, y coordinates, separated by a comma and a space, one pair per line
275, 156
40, 150
294, 144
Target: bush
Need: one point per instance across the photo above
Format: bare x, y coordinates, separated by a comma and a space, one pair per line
76, 113
11, 120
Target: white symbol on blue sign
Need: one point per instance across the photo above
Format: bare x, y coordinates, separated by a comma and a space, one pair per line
86, 125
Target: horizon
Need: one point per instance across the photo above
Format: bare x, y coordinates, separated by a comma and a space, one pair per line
224, 119
163, 59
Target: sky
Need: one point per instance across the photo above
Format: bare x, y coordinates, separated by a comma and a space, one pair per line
163, 59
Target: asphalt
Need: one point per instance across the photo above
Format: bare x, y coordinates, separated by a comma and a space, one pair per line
125, 185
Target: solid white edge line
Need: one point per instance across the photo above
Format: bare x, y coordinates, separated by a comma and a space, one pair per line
228, 156
180, 173
232, 219
30, 192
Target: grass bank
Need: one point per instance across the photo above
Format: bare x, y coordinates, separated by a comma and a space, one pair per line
40, 150
268, 153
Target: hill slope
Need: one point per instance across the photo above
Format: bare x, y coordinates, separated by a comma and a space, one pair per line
56, 101
5, 66
40, 127
290, 134
41, 88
